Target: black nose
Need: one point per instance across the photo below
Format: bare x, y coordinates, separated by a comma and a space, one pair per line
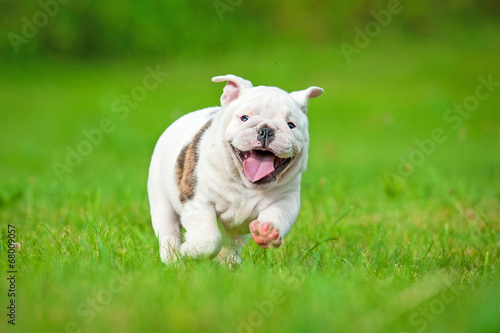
265, 135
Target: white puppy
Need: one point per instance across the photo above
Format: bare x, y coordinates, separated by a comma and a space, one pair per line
240, 164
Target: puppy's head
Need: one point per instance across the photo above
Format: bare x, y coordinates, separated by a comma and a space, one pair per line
265, 130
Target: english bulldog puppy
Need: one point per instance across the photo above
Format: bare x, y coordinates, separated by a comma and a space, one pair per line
238, 165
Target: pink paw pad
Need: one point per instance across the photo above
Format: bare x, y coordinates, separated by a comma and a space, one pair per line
265, 234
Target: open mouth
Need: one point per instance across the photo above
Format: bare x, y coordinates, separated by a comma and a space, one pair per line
261, 166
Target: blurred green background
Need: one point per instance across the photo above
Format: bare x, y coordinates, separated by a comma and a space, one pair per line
422, 214
117, 29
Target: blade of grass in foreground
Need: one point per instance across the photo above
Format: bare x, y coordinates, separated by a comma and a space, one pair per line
326, 238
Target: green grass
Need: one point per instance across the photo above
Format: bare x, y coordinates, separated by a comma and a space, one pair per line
371, 251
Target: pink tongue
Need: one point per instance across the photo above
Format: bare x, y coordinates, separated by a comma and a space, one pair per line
258, 165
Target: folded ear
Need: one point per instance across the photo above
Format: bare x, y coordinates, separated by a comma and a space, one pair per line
233, 87
302, 96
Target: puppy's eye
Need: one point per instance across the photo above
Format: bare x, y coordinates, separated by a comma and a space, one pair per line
244, 118
291, 125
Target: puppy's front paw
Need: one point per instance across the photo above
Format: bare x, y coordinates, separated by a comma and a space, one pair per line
265, 234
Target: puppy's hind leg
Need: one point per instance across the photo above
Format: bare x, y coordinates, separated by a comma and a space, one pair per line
167, 226
231, 254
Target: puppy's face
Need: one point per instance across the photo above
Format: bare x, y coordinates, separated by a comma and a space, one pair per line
264, 131
267, 135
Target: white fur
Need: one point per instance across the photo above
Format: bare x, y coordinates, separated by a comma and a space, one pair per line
222, 190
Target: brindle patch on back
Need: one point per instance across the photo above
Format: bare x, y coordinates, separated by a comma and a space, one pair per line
186, 162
